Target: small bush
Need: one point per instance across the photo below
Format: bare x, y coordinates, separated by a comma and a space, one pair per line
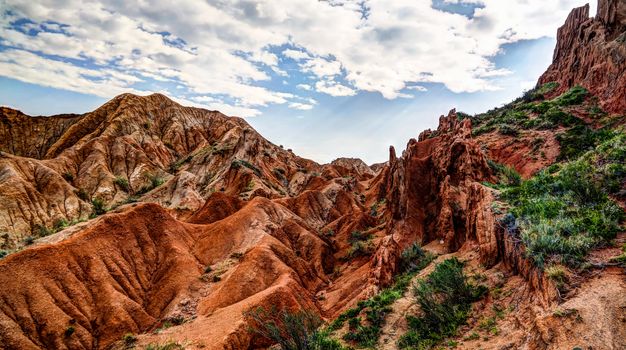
155, 181
174, 167
565, 212
506, 129
68, 176
29, 240
238, 163
507, 175
129, 339
580, 139
236, 256
573, 96
445, 298
82, 194
290, 330
122, 183
69, 331
98, 206
412, 259
170, 345
557, 273
360, 248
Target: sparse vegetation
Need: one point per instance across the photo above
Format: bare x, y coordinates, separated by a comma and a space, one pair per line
122, 183
98, 206
291, 330
565, 211
68, 176
531, 112
413, 258
360, 244
507, 175
445, 298
238, 163
129, 339
365, 332
155, 181
236, 256
170, 345
174, 167
69, 331
82, 194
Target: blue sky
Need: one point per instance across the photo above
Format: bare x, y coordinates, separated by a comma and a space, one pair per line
326, 79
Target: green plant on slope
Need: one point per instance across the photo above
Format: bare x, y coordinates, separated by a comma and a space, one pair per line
562, 215
291, 330
122, 183
365, 332
445, 299
98, 206
170, 345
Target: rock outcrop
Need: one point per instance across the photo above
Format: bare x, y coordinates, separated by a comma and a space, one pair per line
592, 52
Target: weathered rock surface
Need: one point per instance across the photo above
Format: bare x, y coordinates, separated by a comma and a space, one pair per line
592, 52
238, 222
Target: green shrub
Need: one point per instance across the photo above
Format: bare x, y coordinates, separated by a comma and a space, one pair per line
69, 331
360, 248
122, 183
29, 240
82, 194
366, 332
445, 298
573, 96
174, 167
155, 181
290, 330
170, 345
68, 176
42, 231
98, 206
129, 339
506, 175
238, 163
580, 139
506, 129
563, 213
413, 258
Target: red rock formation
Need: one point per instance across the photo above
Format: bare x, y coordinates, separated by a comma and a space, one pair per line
592, 52
139, 140
431, 192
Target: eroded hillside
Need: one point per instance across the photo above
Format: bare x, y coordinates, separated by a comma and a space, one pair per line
146, 224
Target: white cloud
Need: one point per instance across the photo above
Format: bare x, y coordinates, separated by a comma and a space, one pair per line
301, 106
295, 54
225, 48
417, 88
321, 67
333, 88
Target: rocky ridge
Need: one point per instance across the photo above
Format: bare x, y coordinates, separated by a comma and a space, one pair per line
206, 220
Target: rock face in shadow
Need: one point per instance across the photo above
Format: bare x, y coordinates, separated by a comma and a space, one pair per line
592, 52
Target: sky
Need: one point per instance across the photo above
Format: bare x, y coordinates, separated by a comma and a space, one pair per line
327, 78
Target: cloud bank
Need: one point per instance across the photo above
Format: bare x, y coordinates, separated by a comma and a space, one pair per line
227, 55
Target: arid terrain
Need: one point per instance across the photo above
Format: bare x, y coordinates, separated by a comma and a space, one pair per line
147, 224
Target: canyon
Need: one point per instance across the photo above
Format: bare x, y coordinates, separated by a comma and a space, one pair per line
169, 223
